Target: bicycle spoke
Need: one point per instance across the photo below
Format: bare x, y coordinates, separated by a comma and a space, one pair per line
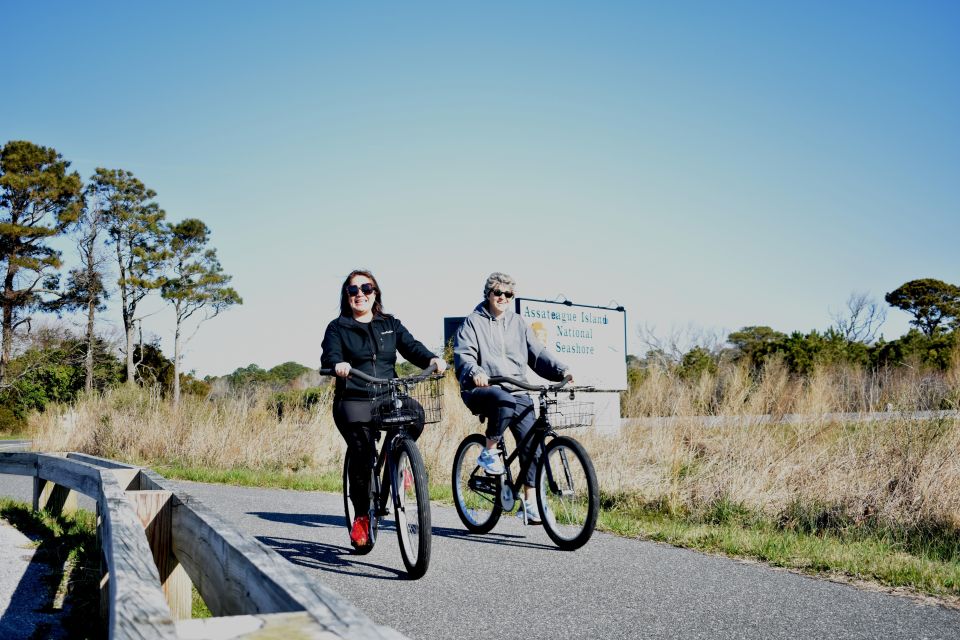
567, 493
412, 508
475, 494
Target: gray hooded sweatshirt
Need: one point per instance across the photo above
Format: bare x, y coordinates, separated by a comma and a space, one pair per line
502, 346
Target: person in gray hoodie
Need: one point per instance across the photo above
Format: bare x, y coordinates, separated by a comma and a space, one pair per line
494, 341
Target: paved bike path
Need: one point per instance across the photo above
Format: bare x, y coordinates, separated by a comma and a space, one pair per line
515, 582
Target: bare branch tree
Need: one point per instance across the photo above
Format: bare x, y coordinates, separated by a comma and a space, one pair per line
671, 347
862, 318
88, 280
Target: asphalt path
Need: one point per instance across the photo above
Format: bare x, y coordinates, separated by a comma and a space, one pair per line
515, 582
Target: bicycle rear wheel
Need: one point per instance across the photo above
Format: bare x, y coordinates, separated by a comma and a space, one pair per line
412, 508
350, 513
567, 493
475, 494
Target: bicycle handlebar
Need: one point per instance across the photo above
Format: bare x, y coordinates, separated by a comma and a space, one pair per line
370, 379
526, 385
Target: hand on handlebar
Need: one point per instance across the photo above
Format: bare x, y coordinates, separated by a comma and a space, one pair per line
342, 369
440, 363
567, 376
480, 379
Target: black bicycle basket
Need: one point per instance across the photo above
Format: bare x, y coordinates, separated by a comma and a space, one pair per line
412, 400
567, 414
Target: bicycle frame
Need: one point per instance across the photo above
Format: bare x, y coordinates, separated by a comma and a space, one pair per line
537, 437
385, 467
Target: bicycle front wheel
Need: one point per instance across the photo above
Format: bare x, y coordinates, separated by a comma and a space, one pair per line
350, 512
567, 493
475, 494
412, 508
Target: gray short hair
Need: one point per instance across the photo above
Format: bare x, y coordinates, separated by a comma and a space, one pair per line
496, 278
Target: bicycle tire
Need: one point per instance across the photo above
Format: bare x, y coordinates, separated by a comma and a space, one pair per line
567, 493
412, 508
475, 494
349, 510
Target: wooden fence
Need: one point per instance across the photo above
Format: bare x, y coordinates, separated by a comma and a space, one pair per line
157, 542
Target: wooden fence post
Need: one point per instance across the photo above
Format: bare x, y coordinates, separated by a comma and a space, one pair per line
54, 498
155, 510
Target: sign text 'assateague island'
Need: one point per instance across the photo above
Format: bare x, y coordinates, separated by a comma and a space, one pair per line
591, 340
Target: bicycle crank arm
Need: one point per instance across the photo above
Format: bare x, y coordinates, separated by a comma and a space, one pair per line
507, 499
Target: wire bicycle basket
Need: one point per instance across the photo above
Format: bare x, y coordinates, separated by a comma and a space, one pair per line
568, 414
412, 398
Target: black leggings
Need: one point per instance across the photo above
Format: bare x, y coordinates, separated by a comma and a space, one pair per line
354, 422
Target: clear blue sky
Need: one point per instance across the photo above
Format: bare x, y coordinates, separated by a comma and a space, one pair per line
707, 164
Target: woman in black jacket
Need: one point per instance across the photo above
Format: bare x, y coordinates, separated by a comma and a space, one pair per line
365, 338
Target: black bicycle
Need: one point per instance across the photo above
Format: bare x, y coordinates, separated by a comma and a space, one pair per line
567, 492
397, 472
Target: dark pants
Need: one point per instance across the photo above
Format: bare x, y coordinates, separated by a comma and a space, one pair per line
354, 421
502, 410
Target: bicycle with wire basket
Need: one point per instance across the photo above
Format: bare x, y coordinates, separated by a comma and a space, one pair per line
567, 492
397, 471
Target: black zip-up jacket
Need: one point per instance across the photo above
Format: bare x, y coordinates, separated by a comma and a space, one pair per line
347, 340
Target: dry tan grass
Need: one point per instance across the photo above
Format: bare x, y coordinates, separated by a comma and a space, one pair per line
904, 471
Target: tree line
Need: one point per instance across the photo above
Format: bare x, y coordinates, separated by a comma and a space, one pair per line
933, 341
124, 246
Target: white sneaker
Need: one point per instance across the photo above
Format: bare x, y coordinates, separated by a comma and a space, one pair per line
529, 513
489, 461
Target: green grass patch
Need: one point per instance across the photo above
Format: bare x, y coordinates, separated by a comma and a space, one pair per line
68, 544
300, 481
198, 608
922, 560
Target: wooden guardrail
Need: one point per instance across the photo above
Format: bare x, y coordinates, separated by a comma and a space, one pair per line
158, 541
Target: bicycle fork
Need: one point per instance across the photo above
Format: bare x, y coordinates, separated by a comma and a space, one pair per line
390, 468
381, 479
552, 485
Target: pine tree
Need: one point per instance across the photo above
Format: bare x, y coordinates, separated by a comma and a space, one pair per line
38, 201
195, 282
135, 229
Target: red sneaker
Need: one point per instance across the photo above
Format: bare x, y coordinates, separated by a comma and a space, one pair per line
359, 535
407, 479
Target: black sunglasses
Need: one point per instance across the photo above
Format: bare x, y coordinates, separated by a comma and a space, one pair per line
497, 293
366, 288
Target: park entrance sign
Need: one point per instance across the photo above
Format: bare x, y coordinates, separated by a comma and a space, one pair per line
592, 341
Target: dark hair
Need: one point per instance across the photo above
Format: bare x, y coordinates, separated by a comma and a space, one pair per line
345, 299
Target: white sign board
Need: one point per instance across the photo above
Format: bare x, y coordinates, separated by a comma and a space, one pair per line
592, 341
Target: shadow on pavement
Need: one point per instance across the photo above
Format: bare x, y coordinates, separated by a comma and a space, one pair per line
321, 520
502, 539
317, 555
301, 519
